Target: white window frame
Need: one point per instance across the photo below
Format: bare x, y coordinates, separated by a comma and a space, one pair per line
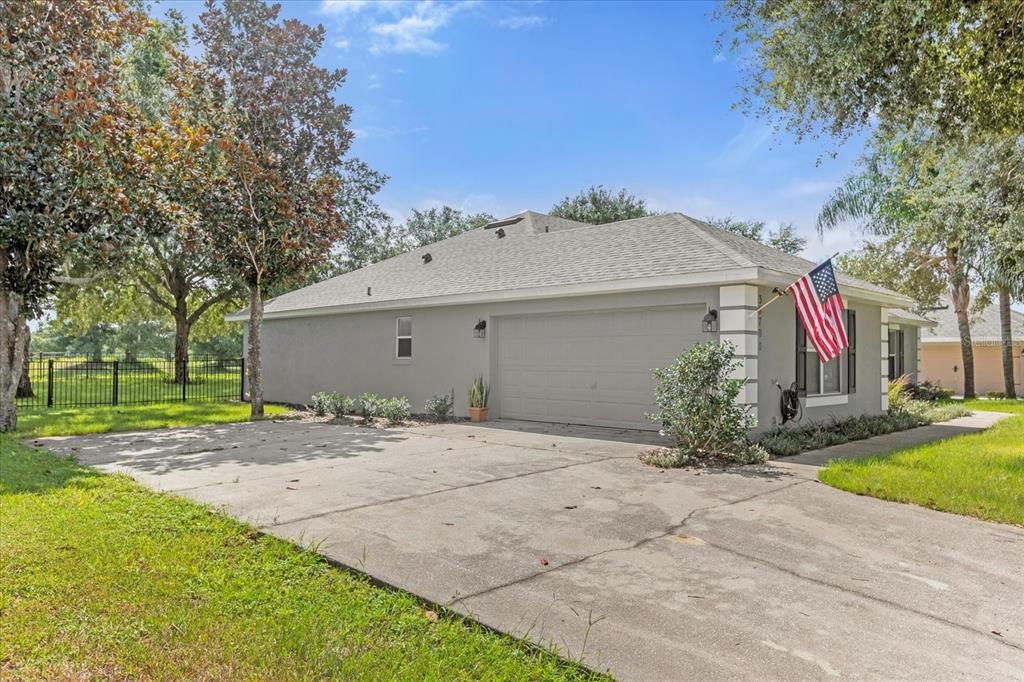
399, 337
811, 350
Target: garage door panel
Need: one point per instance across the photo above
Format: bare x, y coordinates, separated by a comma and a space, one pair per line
589, 368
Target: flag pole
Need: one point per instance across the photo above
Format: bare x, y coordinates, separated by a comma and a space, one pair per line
779, 294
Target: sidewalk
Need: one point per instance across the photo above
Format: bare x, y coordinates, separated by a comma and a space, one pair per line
880, 445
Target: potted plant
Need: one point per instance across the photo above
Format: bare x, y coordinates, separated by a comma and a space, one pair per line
478, 394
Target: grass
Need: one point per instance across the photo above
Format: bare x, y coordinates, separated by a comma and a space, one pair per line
979, 474
100, 577
35, 423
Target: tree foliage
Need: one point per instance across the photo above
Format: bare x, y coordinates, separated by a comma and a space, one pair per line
271, 213
597, 205
834, 67
69, 173
785, 238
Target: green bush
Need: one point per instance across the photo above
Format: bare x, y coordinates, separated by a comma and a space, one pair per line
393, 410
368, 405
926, 390
996, 395
696, 403
321, 403
441, 408
341, 405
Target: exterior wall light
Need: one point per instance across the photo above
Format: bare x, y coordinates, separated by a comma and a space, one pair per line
480, 330
710, 321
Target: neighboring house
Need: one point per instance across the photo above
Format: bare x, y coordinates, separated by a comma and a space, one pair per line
566, 321
942, 361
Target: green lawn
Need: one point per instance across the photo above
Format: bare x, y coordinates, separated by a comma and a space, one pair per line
100, 577
33, 423
978, 474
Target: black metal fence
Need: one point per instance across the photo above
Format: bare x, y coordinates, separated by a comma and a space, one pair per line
81, 382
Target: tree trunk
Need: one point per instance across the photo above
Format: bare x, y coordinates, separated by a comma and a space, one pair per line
12, 353
25, 383
254, 362
1006, 331
181, 331
961, 295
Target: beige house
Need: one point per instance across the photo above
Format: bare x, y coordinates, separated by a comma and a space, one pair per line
566, 321
942, 361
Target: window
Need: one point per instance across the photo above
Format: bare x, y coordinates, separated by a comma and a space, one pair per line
816, 378
403, 338
896, 340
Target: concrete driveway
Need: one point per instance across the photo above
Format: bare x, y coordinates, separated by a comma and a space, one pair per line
562, 536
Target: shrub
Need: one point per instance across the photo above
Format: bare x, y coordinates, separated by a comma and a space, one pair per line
341, 405
394, 410
926, 390
996, 395
441, 408
696, 403
321, 403
370, 405
785, 442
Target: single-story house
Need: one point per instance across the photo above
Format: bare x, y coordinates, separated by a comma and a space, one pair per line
566, 321
941, 358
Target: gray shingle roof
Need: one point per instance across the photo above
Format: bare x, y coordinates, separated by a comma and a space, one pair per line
540, 251
984, 325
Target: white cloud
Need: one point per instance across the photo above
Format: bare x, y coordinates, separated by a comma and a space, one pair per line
343, 6
523, 21
342, 43
718, 57
743, 144
414, 33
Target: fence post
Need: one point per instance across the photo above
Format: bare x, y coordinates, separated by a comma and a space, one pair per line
241, 381
184, 380
49, 382
113, 398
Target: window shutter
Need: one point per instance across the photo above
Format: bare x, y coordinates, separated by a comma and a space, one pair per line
900, 357
851, 352
801, 358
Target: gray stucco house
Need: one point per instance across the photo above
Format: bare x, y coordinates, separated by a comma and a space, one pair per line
566, 321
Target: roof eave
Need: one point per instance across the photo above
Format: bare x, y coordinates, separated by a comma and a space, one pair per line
635, 284
889, 298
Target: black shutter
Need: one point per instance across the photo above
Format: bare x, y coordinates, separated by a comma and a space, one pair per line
801, 358
902, 354
851, 352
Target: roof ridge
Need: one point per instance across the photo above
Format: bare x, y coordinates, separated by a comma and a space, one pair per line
703, 229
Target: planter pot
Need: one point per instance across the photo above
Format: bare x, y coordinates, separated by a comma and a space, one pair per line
478, 414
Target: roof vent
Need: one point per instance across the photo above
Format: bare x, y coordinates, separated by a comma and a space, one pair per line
427, 258
500, 232
503, 223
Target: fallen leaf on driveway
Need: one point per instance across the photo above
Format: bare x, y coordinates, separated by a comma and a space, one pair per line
570, 506
288, 487
596, 487
997, 633
543, 562
688, 539
293, 480
448, 524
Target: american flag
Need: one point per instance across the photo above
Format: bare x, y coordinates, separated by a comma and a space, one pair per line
820, 307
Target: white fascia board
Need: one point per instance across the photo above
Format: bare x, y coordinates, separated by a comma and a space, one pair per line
635, 284
850, 292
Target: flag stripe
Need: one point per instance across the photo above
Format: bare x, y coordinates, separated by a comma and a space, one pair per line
810, 315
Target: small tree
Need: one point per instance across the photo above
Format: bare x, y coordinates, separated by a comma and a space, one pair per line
597, 205
696, 401
785, 238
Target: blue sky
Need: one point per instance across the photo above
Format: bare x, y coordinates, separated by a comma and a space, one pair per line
506, 106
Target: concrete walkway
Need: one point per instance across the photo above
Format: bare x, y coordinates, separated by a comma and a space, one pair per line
562, 536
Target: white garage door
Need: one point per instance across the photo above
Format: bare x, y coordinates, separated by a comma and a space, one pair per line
589, 368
